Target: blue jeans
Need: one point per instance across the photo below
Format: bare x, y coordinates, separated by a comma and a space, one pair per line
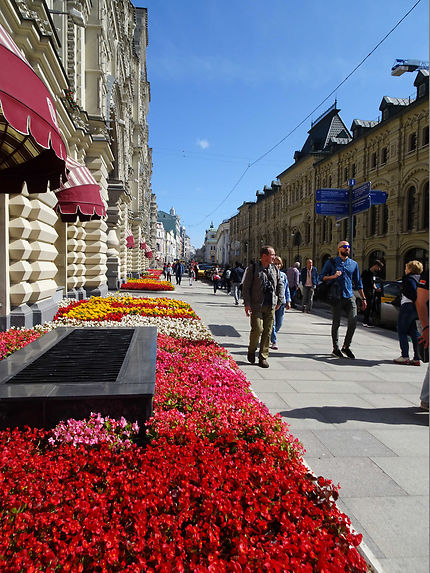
406, 326
293, 294
236, 292
277, 323
350, 307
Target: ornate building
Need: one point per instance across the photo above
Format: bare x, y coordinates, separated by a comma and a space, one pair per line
92, 60
391, 153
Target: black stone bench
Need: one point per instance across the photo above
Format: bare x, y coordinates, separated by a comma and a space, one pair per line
71, 372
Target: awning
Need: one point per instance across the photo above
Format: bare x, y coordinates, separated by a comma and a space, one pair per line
31, 147
79, 198
129, 241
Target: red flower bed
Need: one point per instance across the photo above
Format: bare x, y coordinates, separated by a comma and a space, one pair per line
13, 340
147, 283
220, 487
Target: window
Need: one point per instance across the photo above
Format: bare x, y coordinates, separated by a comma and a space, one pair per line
345, 174
353, 171
384, 219
384, 155
411, 206
374, 160
426, 135
417, 255
372, 222
412, 142
425, 221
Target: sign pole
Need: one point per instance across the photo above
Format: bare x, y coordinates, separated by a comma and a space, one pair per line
351, 184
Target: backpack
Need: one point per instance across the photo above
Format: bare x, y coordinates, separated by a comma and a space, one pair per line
329, 291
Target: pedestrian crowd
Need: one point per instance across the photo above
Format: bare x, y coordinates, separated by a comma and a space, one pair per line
268, 292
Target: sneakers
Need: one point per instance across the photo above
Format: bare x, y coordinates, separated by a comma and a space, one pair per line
337, 353
401, 360
370, 325
348, 353
274, 346
414, 362
262, 363
251, 357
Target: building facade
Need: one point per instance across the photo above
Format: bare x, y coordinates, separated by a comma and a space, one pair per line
392, 153
92, 60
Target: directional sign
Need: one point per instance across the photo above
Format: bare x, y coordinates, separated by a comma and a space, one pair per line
378, 197
361, 205
331, 208
361, 191
332, 195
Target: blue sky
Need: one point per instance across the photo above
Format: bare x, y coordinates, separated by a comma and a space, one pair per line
231, 78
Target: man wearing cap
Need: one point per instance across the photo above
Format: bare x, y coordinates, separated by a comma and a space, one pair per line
345, 272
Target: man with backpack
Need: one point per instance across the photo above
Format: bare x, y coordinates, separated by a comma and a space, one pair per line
343, 275
263, 293
236, 277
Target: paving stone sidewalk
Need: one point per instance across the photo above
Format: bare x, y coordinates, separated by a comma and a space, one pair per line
359, 420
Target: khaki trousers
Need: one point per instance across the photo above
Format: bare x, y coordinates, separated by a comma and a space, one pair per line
261, 328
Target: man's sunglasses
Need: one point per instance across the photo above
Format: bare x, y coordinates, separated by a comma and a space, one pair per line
344, 247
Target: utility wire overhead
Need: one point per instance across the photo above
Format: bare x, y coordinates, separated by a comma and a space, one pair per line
310, 114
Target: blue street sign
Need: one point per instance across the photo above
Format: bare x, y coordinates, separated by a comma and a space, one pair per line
331, 195
378, 197
361, 205
361, 191
331, 208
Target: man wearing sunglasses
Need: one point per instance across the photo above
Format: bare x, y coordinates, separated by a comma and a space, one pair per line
345, 272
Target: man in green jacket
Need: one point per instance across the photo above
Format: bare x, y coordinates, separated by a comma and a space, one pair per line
263, 293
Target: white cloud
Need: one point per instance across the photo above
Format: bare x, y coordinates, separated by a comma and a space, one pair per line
203, 143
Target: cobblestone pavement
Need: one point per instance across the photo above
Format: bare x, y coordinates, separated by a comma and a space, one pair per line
359, 420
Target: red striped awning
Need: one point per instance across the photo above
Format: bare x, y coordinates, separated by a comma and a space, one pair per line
32, 150
79, 198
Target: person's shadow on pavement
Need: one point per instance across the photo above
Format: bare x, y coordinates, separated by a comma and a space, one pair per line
341, 414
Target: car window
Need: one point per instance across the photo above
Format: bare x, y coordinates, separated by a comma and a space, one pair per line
392, 289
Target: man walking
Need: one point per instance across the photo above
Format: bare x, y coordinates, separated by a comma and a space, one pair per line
179, 271
309, 280
263, 293
345, 272
236, 277
368, 278
293, 276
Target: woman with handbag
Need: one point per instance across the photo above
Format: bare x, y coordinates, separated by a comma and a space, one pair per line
406, 322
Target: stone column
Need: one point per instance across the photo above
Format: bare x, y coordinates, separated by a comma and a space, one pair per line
95, 251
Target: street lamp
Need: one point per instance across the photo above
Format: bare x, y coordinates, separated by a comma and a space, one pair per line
76, 16
297, 241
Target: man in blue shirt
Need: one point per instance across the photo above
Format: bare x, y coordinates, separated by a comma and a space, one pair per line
345, 271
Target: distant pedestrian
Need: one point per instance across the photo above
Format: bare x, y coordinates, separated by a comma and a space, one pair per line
263, 293
169, 272
236, 280
226, 279
280, 312
293, 275
191, 274
371, 291
406, 322
179, 271
343, 273
196, 271
216, 279
309, 280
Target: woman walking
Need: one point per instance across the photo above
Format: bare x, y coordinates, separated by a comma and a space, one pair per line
279, 314
406, 322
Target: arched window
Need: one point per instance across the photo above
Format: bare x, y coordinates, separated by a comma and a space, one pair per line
412, 142
411, 208
426, 135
